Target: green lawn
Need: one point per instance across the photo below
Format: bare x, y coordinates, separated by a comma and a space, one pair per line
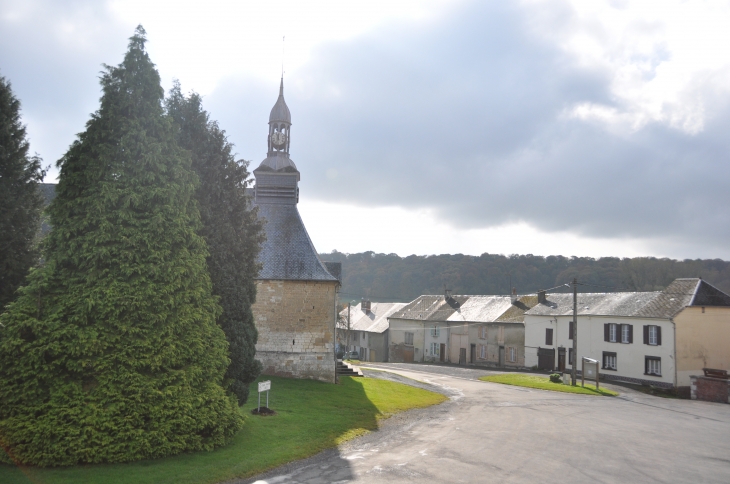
311, 416
544, 383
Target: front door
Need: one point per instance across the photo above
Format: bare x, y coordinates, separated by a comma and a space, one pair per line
441, 353
372, 356
408, 354
501, 356
462, 356
561, 360
546, 358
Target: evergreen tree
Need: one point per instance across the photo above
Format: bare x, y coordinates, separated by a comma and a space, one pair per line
20, 200
231, 229
112, 353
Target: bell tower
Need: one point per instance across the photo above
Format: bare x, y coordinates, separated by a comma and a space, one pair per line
277, 177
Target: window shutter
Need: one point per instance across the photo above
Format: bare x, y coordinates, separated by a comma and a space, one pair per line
570, 330
659, 335
646, 334
631, 333
606, 330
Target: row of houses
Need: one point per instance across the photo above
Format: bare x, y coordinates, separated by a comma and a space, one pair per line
659, 338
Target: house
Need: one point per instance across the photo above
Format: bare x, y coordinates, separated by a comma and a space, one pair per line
474, 330
653, 338
296, 303
369, 329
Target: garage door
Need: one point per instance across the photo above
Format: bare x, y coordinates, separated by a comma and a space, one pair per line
545, 358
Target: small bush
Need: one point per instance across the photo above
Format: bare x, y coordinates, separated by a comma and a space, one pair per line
533, 367
556, 378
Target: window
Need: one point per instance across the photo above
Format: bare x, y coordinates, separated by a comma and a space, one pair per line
435, 349
653, 335
570, 356
653, 366
363, 335
511, 354
611, 332
609, 361
483, 352
627, 333
435, 332
409, 339
549, 336
483, 332
570, 329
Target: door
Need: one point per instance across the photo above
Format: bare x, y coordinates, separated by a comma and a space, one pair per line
501, 356
372, 356
441, 352
545, 358
561, 360
408, 354
462, 356
473, 354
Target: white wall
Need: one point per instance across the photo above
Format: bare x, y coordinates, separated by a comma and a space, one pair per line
630, 358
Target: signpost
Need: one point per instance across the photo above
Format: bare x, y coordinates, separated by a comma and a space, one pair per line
591, 371
264, 386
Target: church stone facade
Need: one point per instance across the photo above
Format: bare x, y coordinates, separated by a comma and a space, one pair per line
296, 302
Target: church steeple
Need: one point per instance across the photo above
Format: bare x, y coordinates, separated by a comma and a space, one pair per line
277, 177
279, 124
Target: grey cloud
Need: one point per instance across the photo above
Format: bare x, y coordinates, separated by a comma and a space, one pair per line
53, 55
465, 116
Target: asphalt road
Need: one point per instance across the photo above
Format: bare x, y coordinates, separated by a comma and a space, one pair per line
489, 432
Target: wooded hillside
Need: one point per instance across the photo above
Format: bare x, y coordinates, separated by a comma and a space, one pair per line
389, 277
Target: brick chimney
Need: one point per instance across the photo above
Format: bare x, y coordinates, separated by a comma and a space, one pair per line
365, 305
541, 296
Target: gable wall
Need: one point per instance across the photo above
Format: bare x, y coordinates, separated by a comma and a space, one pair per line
703, 341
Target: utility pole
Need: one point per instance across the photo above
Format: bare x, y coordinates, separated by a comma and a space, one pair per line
347, 346
575, 332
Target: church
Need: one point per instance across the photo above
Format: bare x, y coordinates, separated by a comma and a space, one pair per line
296, 301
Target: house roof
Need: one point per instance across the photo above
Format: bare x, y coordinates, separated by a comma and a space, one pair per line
288, 252
486, 309
664, 304
374, 321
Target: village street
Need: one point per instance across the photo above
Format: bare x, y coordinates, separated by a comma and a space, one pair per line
489, 432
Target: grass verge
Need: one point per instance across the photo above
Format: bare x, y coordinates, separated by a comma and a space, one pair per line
311, 417
544, 383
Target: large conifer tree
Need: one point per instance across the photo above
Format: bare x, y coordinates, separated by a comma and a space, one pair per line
231, 229
112, 352
20, 200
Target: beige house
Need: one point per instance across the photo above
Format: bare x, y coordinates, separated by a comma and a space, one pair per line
651, 338
296, 303
473, 330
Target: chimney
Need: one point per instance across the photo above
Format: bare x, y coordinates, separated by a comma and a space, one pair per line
514, 294
365, 305
541, 296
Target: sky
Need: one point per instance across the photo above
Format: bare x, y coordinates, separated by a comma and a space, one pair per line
549, 127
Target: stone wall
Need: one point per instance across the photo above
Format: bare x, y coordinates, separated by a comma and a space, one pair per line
295, 321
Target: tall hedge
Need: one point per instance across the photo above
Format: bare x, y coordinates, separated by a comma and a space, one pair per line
20, 200
231, 229
112, 352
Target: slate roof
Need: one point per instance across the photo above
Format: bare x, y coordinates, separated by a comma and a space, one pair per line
277, 161
374, 321
487, 309
280, 111
664, 304
288, 252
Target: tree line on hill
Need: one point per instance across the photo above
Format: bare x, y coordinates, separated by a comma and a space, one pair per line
126, 333
389, 277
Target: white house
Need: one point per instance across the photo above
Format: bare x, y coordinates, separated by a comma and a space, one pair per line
634, 334
369, 329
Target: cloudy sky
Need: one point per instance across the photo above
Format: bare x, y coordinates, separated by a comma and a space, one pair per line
428, 127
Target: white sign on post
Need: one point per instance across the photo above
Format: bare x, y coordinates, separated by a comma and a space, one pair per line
264, 386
